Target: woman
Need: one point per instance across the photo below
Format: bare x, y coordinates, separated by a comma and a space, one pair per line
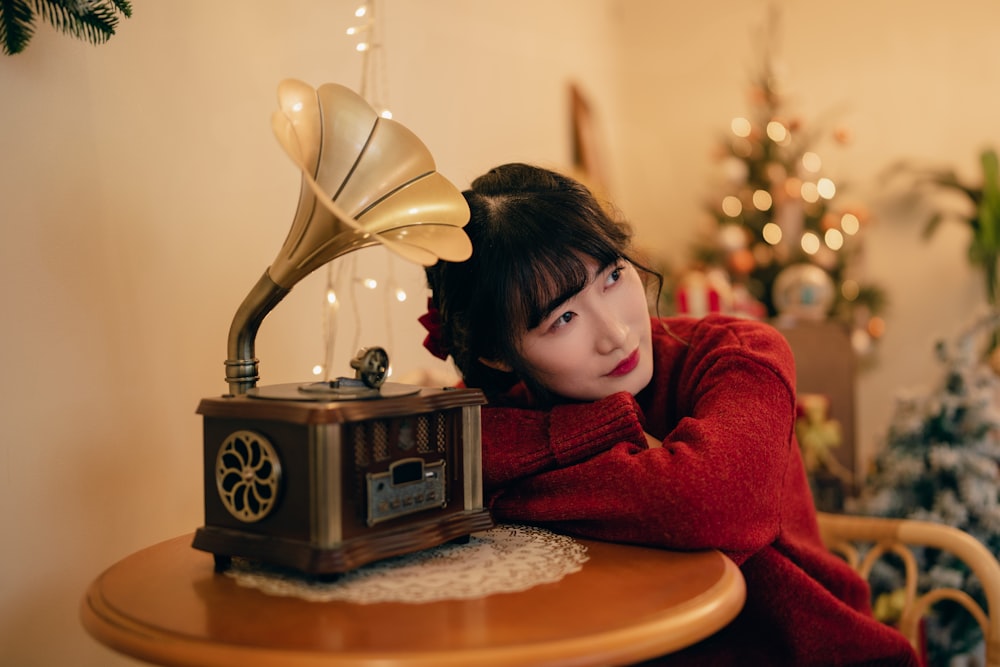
605, 423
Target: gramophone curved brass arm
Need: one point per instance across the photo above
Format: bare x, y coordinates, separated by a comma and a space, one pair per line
242, 364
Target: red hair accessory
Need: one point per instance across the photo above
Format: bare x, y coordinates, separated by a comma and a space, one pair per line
432, 322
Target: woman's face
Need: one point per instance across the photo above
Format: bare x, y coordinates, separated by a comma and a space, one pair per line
597, 342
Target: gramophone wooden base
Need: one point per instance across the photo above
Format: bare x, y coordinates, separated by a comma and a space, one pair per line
342, 557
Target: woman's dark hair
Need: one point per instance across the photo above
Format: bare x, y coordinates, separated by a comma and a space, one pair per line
531, 229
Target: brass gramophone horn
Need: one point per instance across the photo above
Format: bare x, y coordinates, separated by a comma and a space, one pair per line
365, 180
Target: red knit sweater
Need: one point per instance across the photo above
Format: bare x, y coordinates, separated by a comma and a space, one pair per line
729, 476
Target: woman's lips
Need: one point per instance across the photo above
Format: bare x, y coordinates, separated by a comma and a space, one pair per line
627, 365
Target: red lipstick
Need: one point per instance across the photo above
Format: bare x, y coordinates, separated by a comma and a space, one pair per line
627, 365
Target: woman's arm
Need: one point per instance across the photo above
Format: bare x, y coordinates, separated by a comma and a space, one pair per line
716, 482
519, 443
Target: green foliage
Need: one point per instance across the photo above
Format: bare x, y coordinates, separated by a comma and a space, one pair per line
981, 210
94, 21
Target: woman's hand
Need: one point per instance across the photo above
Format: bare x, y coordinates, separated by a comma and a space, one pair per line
652, 442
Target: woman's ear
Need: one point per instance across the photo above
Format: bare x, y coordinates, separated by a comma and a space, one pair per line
496, 365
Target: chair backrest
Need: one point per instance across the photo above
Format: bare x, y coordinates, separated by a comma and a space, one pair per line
843, 533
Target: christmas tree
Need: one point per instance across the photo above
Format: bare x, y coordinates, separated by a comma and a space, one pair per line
940, 464
777, 209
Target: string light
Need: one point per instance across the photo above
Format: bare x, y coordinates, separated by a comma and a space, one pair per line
331, 309
762, 200
777, 132
826, 188
732, 206
772, 233
850, 224
741, 127
850, 289
810, 243
341, 275
834, 239
809, 192
811, 162
373, 85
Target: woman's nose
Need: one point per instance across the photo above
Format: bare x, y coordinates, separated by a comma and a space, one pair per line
612, 334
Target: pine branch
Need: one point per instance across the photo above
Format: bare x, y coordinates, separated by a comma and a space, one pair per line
123, 6
92, 20
81, 20
16, 28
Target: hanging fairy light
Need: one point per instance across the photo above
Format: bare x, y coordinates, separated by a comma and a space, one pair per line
772, 233
811, 162
732, 206
826, 188
762, 200
810, 243
373, 86
850, 224
809, 192
342, 276
741, 127
778, 133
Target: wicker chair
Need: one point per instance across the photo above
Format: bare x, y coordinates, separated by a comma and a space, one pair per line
841, 534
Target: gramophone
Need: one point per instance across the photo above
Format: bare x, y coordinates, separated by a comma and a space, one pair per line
324, 477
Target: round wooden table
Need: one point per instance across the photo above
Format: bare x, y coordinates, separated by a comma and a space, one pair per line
167, 605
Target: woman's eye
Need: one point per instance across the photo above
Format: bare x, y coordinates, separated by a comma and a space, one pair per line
563, 319
615, 275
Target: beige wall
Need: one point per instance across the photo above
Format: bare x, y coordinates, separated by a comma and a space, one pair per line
142, 194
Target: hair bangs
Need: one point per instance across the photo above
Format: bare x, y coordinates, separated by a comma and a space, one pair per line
551, 278
545, 276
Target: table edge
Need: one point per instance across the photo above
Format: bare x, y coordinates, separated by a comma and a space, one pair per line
688, 624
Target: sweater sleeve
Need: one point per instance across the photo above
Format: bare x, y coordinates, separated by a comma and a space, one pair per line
519, 442
716, 482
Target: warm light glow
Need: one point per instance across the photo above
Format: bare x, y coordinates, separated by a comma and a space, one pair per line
771, 233
762, 200
810, 192
834, 239
742, 147
777, 132
362, 46
331, 297
741, 127
370, 283
353, 30
850, 224
400, 294
793, 187
850, 289
386, 114
763, 254
732, 206
360, 11
810, 243
732, 237
297, 106
317, 370
826, 188
811, 161
876, 327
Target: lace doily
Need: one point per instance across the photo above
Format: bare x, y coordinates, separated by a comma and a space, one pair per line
504, 559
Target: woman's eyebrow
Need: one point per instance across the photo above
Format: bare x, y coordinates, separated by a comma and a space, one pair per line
569, 293
557, 301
